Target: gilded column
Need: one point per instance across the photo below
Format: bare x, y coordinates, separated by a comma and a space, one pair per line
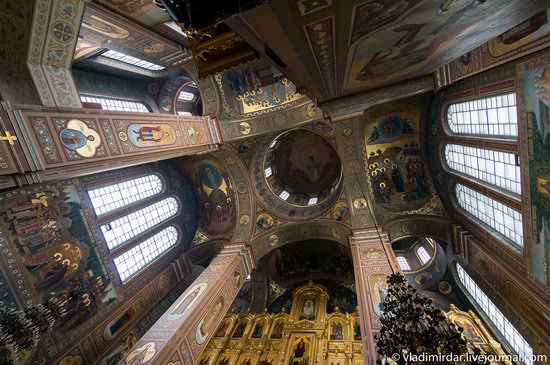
373, 260
184, 330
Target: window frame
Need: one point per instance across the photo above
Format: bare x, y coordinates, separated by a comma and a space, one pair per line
124, 109
501, 237
492, 310
449, 104
496, 143
107, 180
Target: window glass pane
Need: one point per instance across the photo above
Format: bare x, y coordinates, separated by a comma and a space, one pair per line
118, 195
423, 255
501, 218
118, 105
122, 229
505, 329
186, 96
132, 60
403, 263
494, 116
496, 168
134, 260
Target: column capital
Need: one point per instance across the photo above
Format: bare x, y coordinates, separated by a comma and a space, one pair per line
244, 249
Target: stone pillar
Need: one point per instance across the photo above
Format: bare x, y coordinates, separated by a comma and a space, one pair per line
62, 143
373, 260
182, 333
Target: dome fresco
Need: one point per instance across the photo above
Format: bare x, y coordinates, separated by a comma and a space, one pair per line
306, 163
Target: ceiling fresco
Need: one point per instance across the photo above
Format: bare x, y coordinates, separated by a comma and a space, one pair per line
528, 36
339, 295
334, 50
306, 163
255, 88
216, 194
141, 11
305, 260
102, 29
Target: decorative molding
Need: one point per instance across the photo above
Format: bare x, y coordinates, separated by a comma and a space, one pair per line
54, 35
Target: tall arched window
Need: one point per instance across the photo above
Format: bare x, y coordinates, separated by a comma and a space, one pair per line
494, 116
403, 263
499, 169
120, 230
501, 218
481, 152
114, 196
423, 255
135, 259
505, 329
135, 218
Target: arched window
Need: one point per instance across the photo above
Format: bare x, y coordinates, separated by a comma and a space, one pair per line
135, 216
499, 169
487, 121
501, 218
119, 105
494, 116
423, 255
115, 196
135, 259
403, 263
125, 228
502, 325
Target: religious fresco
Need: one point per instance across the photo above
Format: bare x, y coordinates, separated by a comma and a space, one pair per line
339, 296
123, 349
264, 221
206, 324
185, 303
536, 108
118, 324
403, 39
147, 135
340, 211
80, 139
306, 163
394, 160
379, 291
47, 230
255, 88
520, 35
216, 194
527, 37
241, 304
313, 258
102, 27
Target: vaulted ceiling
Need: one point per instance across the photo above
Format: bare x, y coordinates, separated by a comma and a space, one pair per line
339, 48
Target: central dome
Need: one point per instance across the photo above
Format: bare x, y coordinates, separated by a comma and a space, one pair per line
305, 164
296, 175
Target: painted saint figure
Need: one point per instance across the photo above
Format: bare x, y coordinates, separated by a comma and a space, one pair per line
308, 312
151, 134
313, 169
74, 139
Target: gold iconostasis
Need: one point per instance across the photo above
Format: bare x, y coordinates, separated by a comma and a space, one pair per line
309, 335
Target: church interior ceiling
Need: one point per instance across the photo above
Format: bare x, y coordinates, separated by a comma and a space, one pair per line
334, 49
373, 169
